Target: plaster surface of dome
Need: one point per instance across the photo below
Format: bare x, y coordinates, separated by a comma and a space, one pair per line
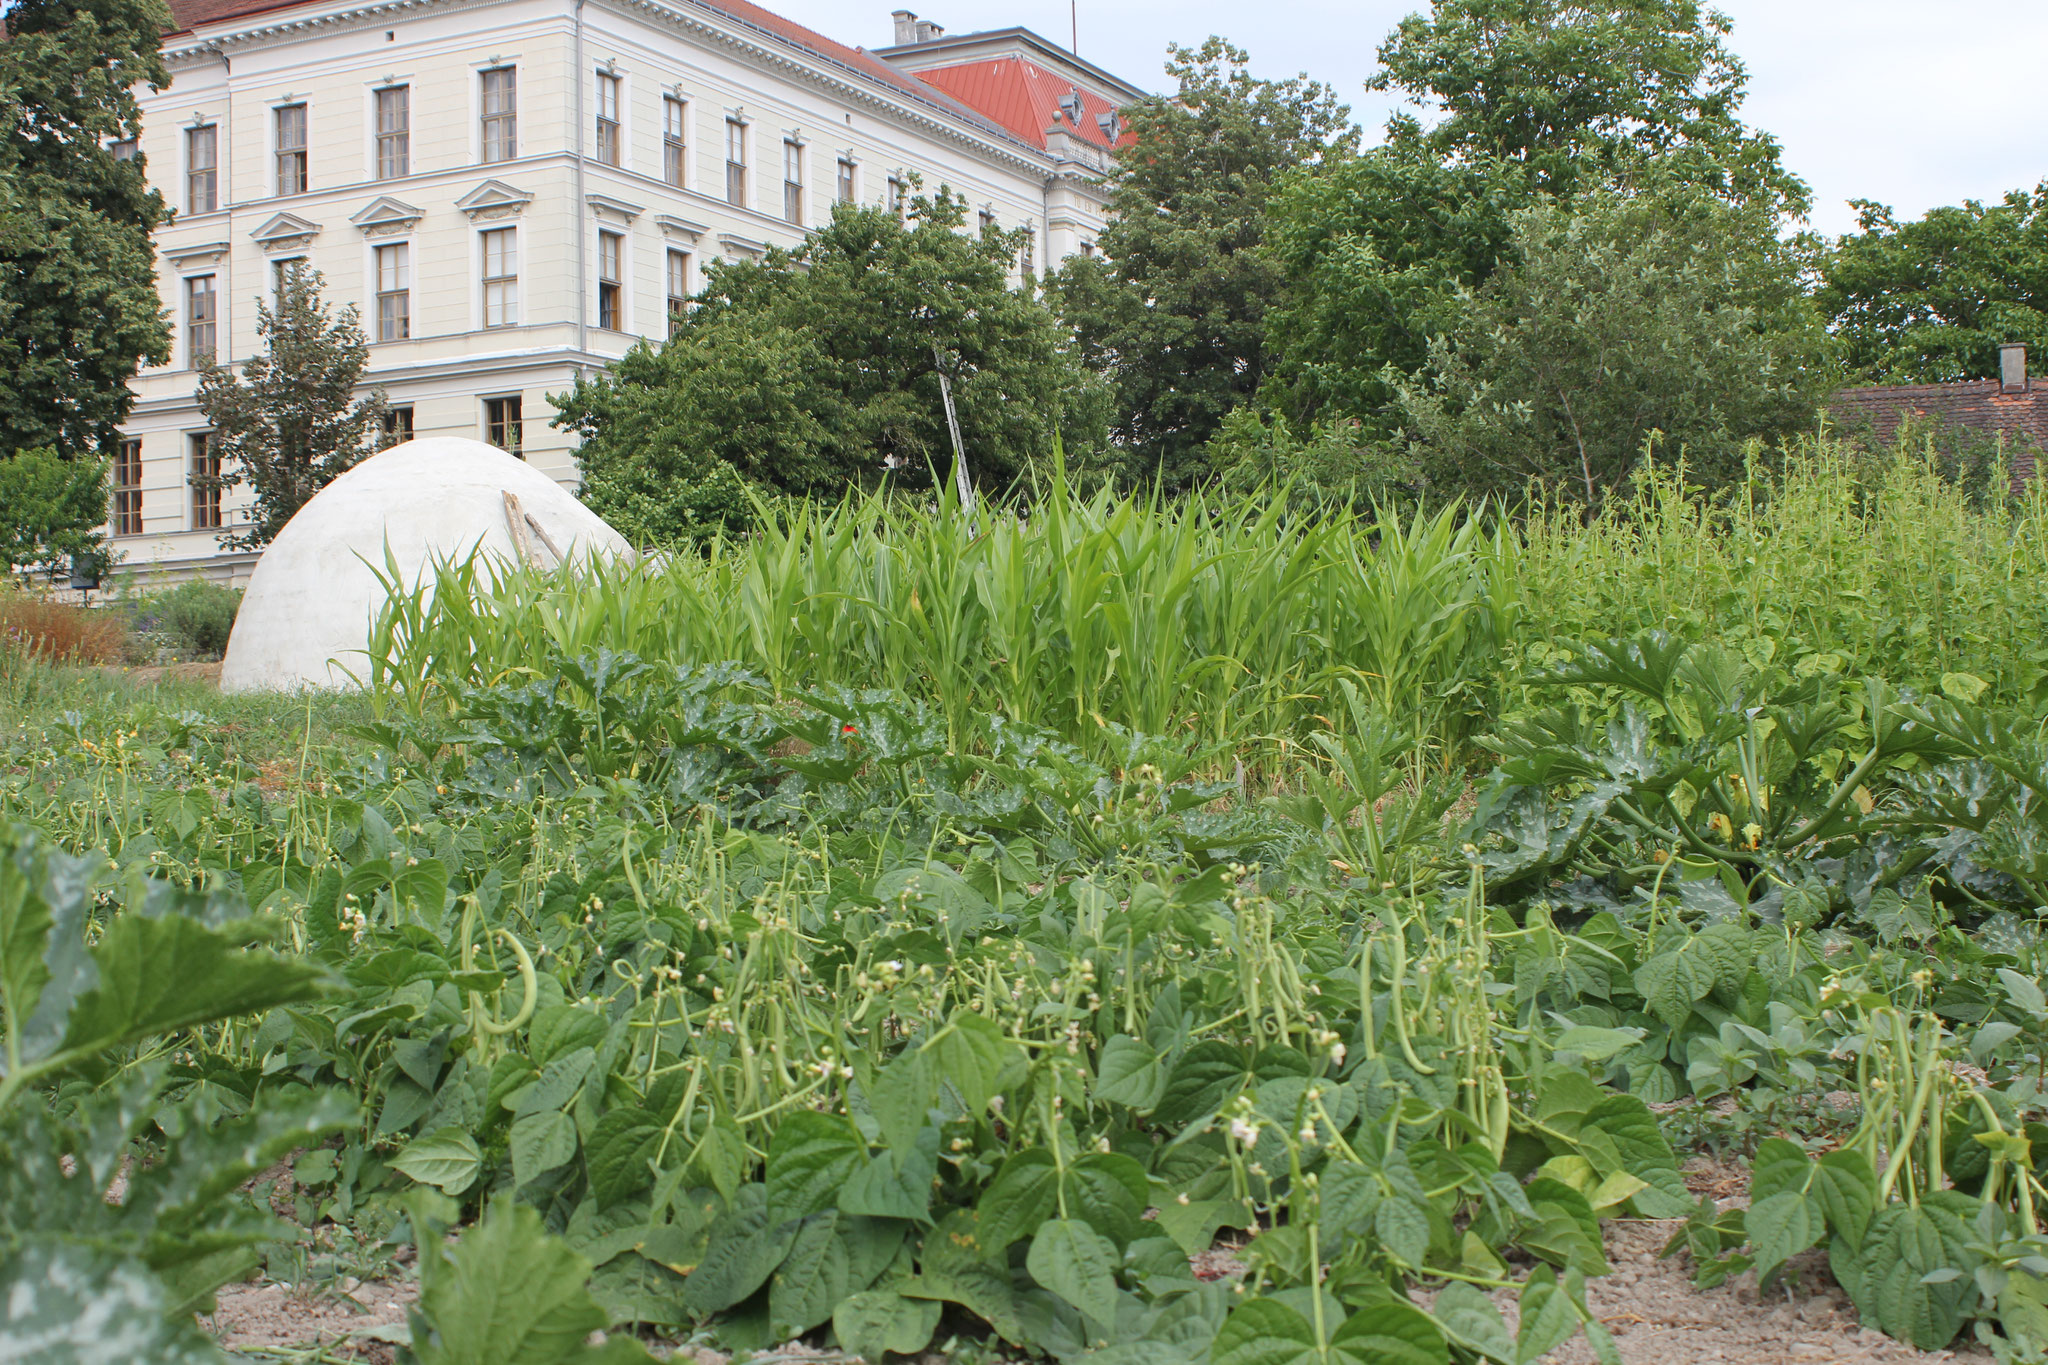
305, 621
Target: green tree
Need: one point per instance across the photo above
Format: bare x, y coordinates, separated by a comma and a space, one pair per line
1572, 92
1624, 313
1174, 310
291, 423
1929, 301
78, 304
51, 509
1537, 99
817, 368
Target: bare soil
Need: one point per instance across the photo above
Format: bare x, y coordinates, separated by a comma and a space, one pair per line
1647, 1302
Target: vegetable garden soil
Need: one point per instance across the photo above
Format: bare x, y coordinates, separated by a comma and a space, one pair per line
1647, 1301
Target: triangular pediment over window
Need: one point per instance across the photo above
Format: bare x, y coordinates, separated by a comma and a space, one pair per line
493, 199
384, 215
284, 229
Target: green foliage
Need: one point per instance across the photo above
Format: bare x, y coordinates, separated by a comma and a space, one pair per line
79, 311
1624, 315
1174, 310
291, 424
818, 367
1929, 301
1571, 93
194, 618
51, 508
75, 997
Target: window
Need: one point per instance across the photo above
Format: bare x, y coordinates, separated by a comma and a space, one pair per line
986, 220
394, 132
501, 113
125, 149
793, 182
202, 169
397, 425
125, 514
1087, 248
501, 277
611, 313
845, 181
394, 292
678, 288
897, 200
203, 477
607, 118
501, 423
280, 276
291, 149
673, 140
735, 162
200, 321
1027, 264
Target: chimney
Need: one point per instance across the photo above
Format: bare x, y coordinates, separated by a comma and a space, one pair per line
927, 30
906, 27
2012, 368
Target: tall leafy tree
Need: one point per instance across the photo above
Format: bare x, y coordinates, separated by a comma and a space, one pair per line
1929, 300
1534, 101
1174, 310
1624, 314
78, 304
1567, 90
818, 368
291, 423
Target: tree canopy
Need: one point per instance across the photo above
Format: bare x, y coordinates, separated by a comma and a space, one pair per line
817, 368
1174, 310
1623, 313
79, 310
1930, 300
291, 423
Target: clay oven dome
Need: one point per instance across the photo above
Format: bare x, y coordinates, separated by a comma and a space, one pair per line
307, 613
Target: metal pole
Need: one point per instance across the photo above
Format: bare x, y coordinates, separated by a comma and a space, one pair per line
953, 425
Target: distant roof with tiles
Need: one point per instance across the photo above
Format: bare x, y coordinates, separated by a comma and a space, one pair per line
2013, 406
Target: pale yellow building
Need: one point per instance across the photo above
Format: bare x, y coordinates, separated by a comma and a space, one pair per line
514, 191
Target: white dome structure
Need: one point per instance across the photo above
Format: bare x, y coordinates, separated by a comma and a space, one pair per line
305, 620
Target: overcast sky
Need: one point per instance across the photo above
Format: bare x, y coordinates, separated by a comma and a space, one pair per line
1913, 103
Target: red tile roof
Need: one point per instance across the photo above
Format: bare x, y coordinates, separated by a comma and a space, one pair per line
1020, 95
190, 14
1980, 404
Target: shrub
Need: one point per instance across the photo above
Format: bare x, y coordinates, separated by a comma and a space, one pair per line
193, 620
61, 632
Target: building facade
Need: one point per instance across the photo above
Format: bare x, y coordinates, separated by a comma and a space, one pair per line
512, 192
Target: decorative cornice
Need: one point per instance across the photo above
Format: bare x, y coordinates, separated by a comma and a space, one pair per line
604, 206
681, 228
283, 230
385, 217
203, 253
735, 246
494, 199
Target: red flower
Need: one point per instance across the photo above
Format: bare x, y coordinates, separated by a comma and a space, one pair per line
848, 730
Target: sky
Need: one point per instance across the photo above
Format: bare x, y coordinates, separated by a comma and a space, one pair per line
1912, 103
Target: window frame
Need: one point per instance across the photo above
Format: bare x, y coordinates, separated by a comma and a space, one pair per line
199, 357
504, 285
292, 164
498, 127
611, 282
202, 512
393, 300
792, 188
391, 145
124, 488
398, 418
736, 171
675, 141
504, 415
847, 185
607, 143
677, 277
208, 136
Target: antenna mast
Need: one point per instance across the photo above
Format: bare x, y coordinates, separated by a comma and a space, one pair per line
1074, 18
